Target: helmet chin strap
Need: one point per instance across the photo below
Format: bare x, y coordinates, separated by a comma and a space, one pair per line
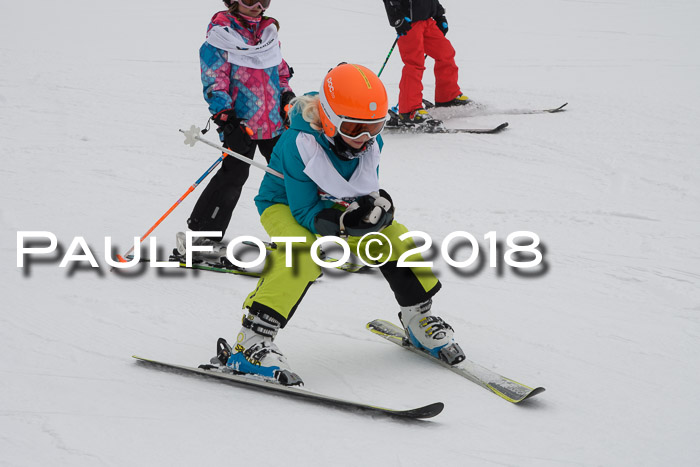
347, 152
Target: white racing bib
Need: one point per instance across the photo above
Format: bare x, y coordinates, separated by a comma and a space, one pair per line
264, 55
320, 169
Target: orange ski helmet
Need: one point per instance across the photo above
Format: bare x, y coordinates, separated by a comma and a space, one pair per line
353, 101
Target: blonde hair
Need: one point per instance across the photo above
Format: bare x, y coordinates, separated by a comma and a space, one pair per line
308, 107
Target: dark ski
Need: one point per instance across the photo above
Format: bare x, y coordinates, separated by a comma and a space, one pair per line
433, 126
223, 266
506, 388
441, 129
427, 411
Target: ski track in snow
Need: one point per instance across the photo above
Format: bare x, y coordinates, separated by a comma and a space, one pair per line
89, 113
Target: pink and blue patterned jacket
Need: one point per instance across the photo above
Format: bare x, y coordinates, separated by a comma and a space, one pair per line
253, 94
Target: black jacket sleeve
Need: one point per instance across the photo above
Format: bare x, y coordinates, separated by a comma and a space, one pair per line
440, 11
397, 10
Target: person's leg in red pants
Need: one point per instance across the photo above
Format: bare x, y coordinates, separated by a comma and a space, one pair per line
413, 56
437, 46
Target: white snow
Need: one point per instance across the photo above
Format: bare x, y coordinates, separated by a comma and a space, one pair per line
91, 97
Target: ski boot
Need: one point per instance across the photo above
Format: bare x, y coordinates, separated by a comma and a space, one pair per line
457, 101
218, 249
418, 117
255, 352
430, 333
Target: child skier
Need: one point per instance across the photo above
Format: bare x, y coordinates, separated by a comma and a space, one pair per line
245, 80
332, 148
422, 27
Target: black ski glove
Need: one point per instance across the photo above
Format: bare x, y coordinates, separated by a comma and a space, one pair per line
402, 26
235, 134
285, 99
369, 213
442, 23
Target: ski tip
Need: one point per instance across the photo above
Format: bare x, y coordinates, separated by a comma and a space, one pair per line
419, 413
515, 397
429, 411
559, 109
532, 393
372, 327
435, 409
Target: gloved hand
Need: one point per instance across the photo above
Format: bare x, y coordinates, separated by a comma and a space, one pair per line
403, 26
359, 213
382, 204
368, 213
442, 23
235, 134
285, 106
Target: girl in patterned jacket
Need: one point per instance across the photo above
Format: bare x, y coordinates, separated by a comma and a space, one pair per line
246, 84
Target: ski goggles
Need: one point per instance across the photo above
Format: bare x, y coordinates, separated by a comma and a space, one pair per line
264, 4
353, 129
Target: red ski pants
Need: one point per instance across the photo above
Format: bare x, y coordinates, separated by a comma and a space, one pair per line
426, 38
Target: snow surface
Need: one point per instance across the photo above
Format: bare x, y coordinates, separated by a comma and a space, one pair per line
91, 97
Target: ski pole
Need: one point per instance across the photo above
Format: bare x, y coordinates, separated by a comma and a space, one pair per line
387, 57
192, 132
191, 137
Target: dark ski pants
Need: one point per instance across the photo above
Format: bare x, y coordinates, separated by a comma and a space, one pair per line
215, 205
426, 38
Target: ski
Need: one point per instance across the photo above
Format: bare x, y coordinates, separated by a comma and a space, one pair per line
525, 111
393, 126
225, 266
402, 129
427, 411
221, 266
546, 111
506, 388
486, 110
